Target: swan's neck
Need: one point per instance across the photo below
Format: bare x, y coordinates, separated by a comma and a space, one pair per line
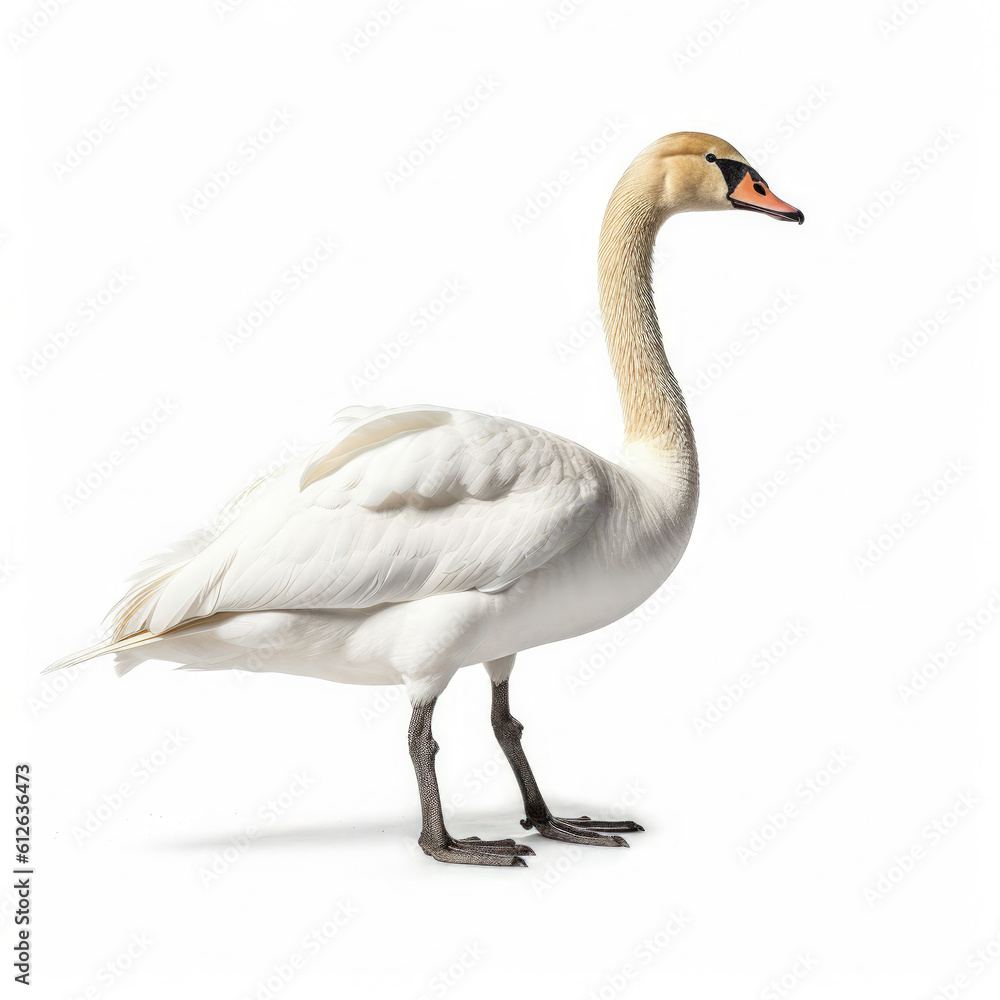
652, 403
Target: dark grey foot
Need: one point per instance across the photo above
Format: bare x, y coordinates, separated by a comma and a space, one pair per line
473, 851
583, 830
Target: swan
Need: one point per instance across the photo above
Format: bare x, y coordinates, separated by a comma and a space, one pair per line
422, 539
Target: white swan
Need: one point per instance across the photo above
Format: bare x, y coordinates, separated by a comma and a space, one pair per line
423, 539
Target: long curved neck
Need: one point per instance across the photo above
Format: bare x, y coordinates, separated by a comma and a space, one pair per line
652, 403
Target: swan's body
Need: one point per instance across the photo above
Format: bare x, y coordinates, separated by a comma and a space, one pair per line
422, 539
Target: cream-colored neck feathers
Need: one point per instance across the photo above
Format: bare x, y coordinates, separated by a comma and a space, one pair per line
652, 403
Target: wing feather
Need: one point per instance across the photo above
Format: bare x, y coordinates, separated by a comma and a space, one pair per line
401, 505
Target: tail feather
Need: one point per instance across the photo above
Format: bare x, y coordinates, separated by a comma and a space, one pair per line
102, 648
213, 655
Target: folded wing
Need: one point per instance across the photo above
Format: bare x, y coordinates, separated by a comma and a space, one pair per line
403, 504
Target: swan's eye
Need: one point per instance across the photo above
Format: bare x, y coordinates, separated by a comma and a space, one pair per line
711, 157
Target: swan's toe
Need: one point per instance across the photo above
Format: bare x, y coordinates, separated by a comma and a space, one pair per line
583, 830
606, 825
505, 853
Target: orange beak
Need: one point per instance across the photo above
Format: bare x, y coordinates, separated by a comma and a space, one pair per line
754, 195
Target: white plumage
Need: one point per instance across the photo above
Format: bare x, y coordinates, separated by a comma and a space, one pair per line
366, 535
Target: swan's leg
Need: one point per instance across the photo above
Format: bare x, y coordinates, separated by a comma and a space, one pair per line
434, 838
580, 830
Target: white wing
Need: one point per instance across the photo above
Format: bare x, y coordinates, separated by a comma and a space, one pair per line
401, 505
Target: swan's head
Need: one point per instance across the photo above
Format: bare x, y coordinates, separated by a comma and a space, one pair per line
695, 172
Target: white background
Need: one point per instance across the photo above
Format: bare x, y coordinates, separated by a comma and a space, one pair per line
840, 107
